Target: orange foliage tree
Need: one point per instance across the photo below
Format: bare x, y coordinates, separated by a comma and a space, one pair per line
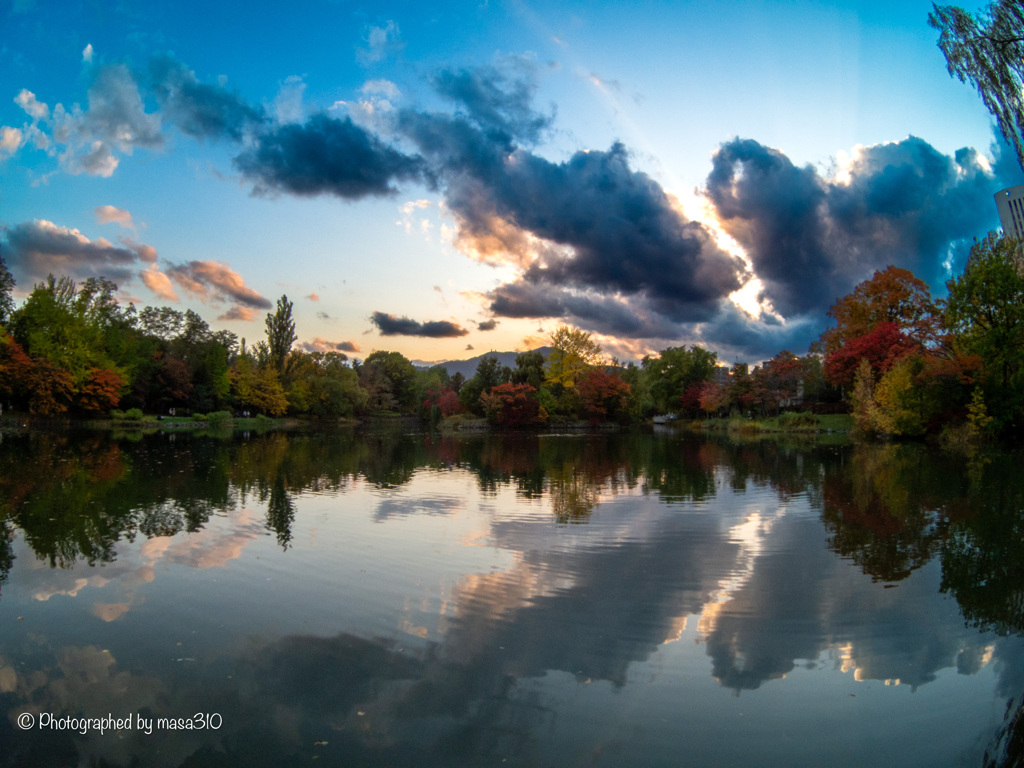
101, 390
15, 367
49, 389
892, 295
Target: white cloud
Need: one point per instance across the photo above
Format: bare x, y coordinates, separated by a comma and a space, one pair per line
10, 140
107, 214
87, 54
36, 109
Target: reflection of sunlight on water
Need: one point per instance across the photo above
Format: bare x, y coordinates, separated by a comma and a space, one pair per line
750, 535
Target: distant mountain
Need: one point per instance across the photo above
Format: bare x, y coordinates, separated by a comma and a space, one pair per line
468, 367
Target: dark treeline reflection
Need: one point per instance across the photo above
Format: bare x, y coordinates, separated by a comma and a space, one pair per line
888, 508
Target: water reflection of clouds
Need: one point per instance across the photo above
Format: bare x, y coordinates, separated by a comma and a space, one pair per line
210, 547
214, 546
407, 504
751, 566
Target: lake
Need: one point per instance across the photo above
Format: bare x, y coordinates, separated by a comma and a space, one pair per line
392, 599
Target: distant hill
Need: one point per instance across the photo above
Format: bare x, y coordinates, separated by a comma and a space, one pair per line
468, 367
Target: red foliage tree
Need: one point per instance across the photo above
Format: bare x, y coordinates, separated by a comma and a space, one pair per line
689, 401
511, 405
447, 400
101, 390
15, 367
777, 382
881, 347
892, 295
602, 394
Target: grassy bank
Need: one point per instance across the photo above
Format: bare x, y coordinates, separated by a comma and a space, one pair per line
787, 422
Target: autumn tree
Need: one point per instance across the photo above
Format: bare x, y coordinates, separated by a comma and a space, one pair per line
101, 391
573, 352
892, 295
15, 367
511, 405
257, 389
49, 389
882, 346
898, 401
714, 396
779, 382
603, 394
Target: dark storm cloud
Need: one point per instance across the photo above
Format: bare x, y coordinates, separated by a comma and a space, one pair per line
37, 248
325, 156
738, 337
605, 227
487, 325
604, 314
498, 98
389, 325
198, 109
812, 239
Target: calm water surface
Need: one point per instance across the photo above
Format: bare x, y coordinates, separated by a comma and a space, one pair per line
409, 599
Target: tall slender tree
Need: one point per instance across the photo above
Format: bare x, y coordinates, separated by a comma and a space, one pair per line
6, 289
280, 333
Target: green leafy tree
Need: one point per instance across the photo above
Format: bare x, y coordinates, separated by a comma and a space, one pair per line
676, 370
6, 292
987, 49
985, 311
390, 381
489, 373
280, 333
162, 322
529, 369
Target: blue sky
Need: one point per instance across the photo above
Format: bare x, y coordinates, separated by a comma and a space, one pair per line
444, 182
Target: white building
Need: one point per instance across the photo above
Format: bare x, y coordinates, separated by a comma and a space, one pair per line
1010, 203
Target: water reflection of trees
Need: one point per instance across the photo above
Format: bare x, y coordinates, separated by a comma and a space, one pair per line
889, 508
983, 557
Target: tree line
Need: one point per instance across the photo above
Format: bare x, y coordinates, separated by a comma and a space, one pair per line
904, 363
